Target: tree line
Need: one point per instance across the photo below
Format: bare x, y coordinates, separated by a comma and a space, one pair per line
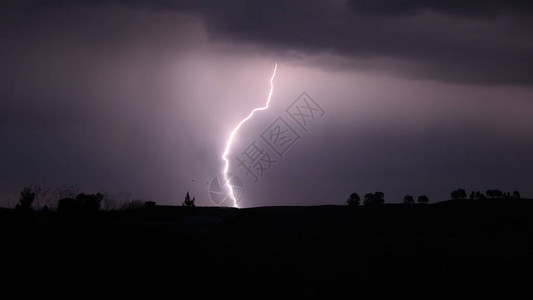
69, 199
66, 199
489, 194
378, 198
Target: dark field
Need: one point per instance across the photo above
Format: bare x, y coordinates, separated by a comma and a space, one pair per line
451, 249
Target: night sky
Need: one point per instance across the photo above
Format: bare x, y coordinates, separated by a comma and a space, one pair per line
418, 97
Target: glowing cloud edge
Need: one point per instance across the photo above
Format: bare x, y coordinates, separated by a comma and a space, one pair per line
232, 135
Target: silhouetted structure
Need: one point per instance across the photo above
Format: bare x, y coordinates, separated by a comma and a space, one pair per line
354, 200
188, 201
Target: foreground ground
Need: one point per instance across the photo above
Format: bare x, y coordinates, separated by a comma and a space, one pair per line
454, 248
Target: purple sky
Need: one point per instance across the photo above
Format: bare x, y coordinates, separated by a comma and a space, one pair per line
420, 97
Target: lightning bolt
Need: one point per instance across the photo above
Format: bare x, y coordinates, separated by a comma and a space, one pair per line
232, 135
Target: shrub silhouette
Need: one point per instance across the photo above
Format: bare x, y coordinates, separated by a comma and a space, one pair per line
516, 194
494, 193
188, 202
423, 199
477, 195
82, 203
458, 194
408, 199
354, 200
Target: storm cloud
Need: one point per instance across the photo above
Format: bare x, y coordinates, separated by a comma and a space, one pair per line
469, 42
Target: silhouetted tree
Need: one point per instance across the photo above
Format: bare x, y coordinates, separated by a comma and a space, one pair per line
455, 195
67, 191
458, 194
494, 193
472, 195
423, 199
379, 197
354, 200
188, 202
49, 196
26, 199
83, 203
516, 195
67, 205
90, 202
480, 196
42, 195
368, 198
408, 199
374, 199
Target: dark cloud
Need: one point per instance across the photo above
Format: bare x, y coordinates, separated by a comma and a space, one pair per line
466, 8
489, 44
